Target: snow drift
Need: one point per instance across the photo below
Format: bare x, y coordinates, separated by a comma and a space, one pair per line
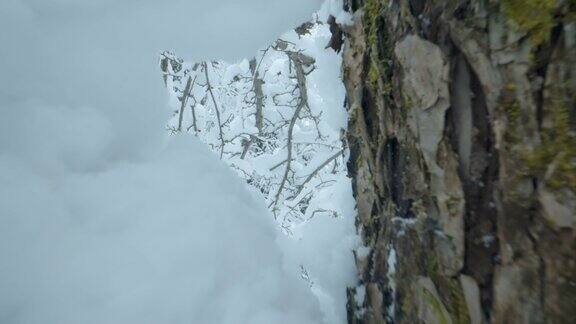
103, 218
172, 239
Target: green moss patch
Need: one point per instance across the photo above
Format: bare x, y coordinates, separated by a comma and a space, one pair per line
555, 158
436, 307
534, 17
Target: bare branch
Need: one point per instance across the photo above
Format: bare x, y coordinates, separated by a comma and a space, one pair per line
185, 95
315, 172
221, 133
301, 78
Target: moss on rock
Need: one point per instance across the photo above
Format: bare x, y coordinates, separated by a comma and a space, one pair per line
534, 17
555, 158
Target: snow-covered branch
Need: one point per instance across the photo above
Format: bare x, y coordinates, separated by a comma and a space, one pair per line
259, 117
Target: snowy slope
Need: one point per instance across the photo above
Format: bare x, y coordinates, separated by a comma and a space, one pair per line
92, 232
173, 239
279, 121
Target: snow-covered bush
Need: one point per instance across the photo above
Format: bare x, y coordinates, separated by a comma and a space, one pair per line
270, 119
279, 121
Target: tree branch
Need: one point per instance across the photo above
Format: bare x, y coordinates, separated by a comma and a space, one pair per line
209, 85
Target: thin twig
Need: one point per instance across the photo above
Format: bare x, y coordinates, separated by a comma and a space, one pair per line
320, 167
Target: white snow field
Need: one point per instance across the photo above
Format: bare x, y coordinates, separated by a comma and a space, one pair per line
107, 219
173, 239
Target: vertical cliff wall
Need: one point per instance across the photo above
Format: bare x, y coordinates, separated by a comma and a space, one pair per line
463, 155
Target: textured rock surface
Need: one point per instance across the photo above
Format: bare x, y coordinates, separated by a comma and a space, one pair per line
463, 153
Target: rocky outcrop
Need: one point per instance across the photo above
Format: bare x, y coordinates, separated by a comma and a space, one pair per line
463, 153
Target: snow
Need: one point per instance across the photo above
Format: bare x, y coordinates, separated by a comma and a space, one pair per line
106, 219
391, 275
360, 296
175, 238
218, 101
314, 205
363, 251
488, 240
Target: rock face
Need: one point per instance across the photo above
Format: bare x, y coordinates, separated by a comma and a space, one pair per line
463, 154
